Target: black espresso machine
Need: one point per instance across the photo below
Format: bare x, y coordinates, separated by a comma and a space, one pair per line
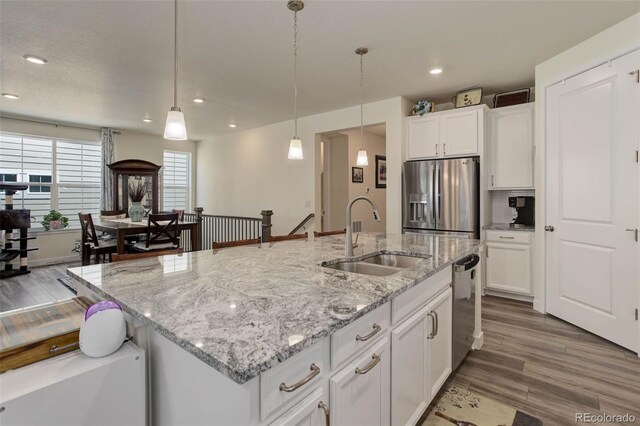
525, 209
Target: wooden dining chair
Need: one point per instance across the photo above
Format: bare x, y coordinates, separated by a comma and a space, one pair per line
327, 233
238, 243
113, 214
288, 237
160, 236
180, 214
154, 253
91, 245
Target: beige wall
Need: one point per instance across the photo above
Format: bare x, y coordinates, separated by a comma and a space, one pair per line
245, 172
375, 145
612, 42
338, 177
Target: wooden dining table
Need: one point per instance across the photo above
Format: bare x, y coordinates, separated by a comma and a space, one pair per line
120, 228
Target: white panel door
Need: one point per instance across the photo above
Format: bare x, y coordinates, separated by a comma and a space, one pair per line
423, 137
409, 388
592, 199
459, 133
439, 341
511, 130
308, 412
360, 392
509, 267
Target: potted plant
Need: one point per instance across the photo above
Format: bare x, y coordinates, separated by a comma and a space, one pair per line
137, 191
54, 220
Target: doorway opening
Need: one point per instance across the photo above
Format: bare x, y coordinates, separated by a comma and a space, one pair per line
341, 179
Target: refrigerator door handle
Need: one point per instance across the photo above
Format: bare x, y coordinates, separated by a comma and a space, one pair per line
433, 194
439, 192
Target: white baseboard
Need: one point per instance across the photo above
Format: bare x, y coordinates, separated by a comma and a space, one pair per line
54, 260
507, 295
538, 306
478, 341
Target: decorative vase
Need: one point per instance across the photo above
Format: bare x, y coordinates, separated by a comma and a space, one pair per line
136, 211
55, 224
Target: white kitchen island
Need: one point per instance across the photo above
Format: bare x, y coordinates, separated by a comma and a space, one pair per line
267, 335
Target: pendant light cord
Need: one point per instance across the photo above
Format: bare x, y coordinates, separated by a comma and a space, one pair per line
295, 72
175, 55
361, 105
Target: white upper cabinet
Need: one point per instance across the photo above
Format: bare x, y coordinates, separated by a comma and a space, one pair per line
511, 157
423, 137
452, 133
459, 133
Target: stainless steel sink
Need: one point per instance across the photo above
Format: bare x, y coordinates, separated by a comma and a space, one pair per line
363, 268
394, 260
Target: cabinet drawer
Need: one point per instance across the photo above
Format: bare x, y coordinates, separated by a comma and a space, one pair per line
415, 298
353, 338
516, 237
312, 363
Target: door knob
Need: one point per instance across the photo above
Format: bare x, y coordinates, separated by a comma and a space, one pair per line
549, 228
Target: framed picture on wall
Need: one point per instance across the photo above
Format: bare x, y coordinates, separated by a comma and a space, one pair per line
381, 171
357, 174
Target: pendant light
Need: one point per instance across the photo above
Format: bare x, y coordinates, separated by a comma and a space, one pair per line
295, 146
175, 129
362, 159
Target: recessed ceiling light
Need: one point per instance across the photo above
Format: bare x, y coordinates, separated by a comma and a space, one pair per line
35, 59
147, 120
435, 71
198, 100
232, 125
10, 96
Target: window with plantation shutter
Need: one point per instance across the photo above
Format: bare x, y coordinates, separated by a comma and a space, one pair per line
176, 188
61, 175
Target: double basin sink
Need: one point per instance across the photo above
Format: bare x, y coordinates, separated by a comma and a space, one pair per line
380, 265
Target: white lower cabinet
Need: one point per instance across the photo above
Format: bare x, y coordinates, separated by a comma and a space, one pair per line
409, 381
421, 361
439, 341
509, 262
360, 392
311, 411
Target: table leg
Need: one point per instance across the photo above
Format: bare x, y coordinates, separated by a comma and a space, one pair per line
195, 239
120, 240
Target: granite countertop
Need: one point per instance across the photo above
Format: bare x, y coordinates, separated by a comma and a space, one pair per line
243, 310
506, 227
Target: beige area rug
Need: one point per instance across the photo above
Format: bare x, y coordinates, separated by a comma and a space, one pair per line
466, 408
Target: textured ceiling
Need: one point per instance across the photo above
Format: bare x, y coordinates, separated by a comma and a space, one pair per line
110, 62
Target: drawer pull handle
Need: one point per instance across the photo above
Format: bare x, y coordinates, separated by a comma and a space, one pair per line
506, 238
376, 329
375, 359
315, 370
324, 407
434, 325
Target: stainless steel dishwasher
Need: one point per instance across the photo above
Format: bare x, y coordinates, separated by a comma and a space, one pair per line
464, 306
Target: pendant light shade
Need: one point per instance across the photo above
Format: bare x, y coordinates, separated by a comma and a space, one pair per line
362, 158
175, 128
295, 149
295, 146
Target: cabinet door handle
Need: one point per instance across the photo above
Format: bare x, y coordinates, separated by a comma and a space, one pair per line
506, 238
492, 180
436, 149
437, 324
375, 359
433, 325
444, 148
324, 407
315, 370
376, 329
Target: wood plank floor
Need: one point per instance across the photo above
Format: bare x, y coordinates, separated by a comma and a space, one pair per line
40, 286
548, 368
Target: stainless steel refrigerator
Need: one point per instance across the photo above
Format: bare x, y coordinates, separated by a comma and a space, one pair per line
442, 196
